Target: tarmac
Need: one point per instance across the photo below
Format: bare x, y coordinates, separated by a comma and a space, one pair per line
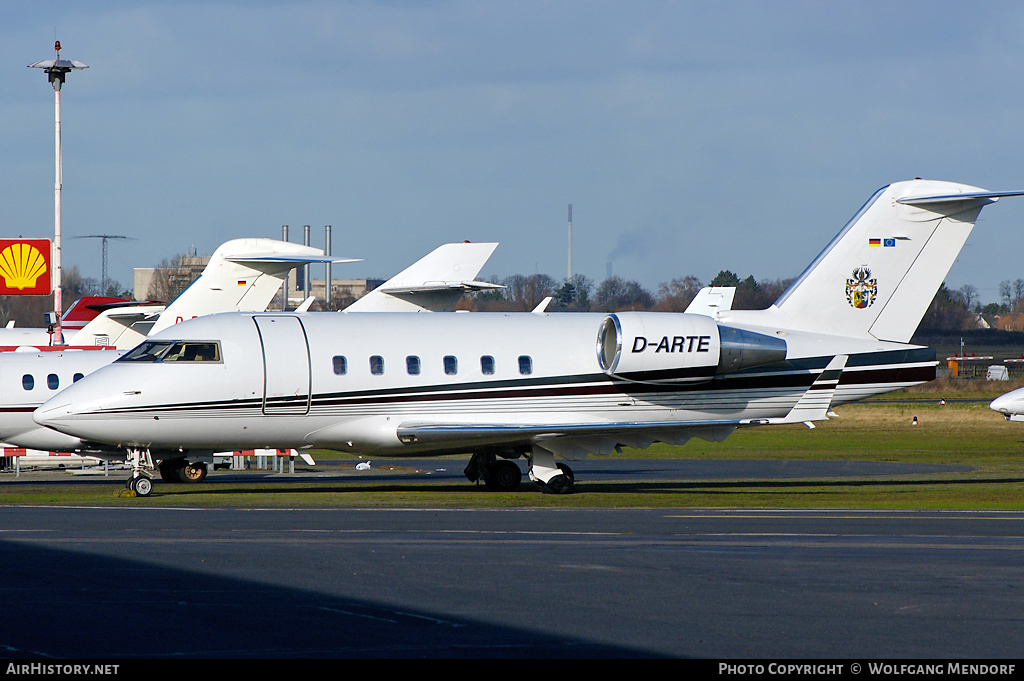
158, 583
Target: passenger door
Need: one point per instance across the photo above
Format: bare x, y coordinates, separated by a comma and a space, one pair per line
286, 384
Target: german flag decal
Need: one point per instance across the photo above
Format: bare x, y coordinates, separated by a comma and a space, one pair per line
25, 267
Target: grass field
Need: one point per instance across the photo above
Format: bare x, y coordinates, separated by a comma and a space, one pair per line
963, 432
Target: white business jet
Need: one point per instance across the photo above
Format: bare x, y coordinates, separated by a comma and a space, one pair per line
243, 274
501, 386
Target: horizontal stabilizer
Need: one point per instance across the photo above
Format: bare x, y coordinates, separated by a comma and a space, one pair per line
255, 260
434, 286
987, 197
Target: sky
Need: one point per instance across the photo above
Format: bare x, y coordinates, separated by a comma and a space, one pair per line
689, 137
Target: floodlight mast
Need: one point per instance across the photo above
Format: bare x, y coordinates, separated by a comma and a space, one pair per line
56, 72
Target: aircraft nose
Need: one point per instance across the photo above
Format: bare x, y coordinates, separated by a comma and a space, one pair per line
1010, 403
54, 413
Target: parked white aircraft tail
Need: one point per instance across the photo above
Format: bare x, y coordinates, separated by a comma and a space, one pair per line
878, 276
435, 283
501, 386
82, 311
242, 274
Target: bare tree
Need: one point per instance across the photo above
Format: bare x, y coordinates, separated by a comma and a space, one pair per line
677, 294
173, 276
615, 293
970, 295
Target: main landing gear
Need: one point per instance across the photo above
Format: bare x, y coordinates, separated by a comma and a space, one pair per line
502, 475
179, 470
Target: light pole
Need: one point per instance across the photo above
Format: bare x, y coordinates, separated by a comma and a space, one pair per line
56, 71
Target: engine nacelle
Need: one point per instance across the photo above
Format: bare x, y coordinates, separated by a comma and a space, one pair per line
655, 346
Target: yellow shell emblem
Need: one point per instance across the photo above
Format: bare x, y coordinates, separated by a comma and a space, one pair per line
21, 265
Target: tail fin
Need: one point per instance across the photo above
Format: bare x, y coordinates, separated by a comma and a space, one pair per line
435, 282
879, 274
711, 300
84, 310
243, 275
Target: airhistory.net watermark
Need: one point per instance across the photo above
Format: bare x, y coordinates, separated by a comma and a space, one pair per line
52, 669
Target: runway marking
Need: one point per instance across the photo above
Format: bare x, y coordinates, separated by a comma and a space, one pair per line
812, 513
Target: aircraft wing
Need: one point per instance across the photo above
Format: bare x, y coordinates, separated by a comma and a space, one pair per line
569, 440
576, 440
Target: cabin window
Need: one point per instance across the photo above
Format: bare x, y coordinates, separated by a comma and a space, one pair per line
376, 365
27, 382
451, 365
77, 377
52, 382
340, 365
525, 365
412, 365
487, 365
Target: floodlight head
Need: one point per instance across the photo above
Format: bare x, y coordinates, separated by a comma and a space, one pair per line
58, 69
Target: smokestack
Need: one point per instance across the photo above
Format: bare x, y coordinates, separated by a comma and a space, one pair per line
327, 266
568, 268
284, 287
305, 268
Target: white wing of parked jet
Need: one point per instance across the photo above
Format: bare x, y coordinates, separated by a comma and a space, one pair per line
500, 386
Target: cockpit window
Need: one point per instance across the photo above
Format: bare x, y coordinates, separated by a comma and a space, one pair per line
174, 351
191, 351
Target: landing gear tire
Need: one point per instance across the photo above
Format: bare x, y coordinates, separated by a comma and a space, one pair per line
503, 476
170, 471
142, 486
561, 483
193, 472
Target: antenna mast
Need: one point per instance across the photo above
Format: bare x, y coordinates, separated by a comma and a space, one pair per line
103, 280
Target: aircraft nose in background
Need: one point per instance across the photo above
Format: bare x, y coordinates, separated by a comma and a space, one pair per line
1010, 403
54, 413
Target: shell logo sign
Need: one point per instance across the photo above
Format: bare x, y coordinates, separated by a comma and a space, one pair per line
25, 267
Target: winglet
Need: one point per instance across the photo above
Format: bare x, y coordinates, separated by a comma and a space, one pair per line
814, 404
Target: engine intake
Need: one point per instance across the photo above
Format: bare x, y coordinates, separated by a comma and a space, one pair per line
654, 346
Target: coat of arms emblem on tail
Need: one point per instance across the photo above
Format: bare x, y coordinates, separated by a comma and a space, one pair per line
861, 288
